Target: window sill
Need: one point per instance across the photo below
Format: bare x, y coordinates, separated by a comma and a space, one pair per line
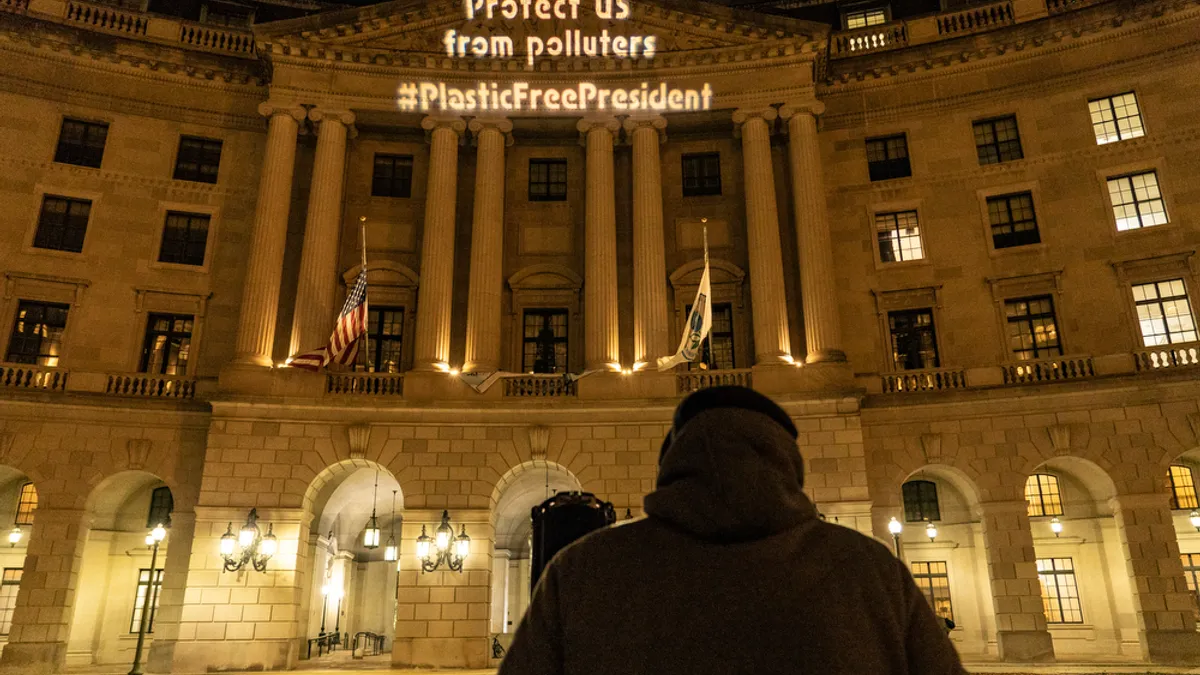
1023, 249
57, 253
902, 264
78, 166
179, 267
1141, 231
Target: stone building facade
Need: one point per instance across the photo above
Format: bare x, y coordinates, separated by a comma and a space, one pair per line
959, 248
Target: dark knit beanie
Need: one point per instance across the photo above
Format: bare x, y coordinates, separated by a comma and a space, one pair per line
726, 397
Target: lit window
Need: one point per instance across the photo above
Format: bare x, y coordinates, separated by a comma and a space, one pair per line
198, 159
1164, 313
37, 333
1032, 328
866, 17
914, 343
921, 501
547, 180
168, 344
392, 176
1060, 595
139, 600
1191, 574
899, 236
1012, 220
1042, 496
1137, 201
1182, 486
9, 585
997, 140
162, 503
934, 581
545, 341
716, 352
185, 238
27, 503
702, 174
1116, 118
62, 223
385, 331
887, 158
81, 143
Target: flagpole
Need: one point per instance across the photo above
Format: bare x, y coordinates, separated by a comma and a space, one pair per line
362, 227
704, 227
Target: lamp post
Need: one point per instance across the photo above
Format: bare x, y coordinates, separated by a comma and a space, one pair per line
433, 552
256, 548
324, 606
895, 528
153, 539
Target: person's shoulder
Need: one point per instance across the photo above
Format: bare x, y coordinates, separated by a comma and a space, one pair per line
851, 540
606, 541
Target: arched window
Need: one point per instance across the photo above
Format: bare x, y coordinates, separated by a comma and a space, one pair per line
1182, 485
921, 501
1042, 495
27, 503
161, 506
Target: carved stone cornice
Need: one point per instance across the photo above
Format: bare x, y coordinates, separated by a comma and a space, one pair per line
179, 190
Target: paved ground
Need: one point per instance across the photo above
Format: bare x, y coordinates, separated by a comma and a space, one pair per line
1058, 669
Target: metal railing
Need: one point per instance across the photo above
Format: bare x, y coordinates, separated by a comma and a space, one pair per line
941, 379
1167, 356
151, 386
365, 384
539, 386
695, 380
15, 6
17, 376
1048, 370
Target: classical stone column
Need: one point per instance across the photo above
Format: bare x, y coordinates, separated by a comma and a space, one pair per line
822, 323
601, 341
1161, 598
260, 290
41, 620
650, 339
1016, 593
767, 296
487, 246
314, 313
435, 294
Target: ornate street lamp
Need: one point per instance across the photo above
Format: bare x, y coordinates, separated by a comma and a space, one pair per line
931, 530
248, 546
391, 552
895, 528
443, 548
14, 535
371, 534
1056, 526
153, 539
1193, 518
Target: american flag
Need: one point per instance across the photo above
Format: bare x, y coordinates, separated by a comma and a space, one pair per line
350, 327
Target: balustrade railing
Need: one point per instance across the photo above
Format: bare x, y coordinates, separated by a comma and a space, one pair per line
107, 18
365, 384
539, 386
17, 376
695, 380
942, 379
1048, 370
15, 6
1167, 356
216, 39
151, 386
977, 18
1060, 6
870, 39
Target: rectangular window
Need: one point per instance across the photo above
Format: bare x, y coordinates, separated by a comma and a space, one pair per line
198, 159
1136, 201
1182, 486
81, 143
914, 344
385, 332
1164, 313
1032, 328
997, 140
1060, 595
139, 600
934, 581
921, 501
865, 17
392, 176
702, 174
1116, 118
168, 344
545, 341
887, 158
62, 223
185, 238
37, 333
1191, 574
27, 503
1042, 497
162, 503
716, 352
1013, 220
547, 180
10, 583
899, 236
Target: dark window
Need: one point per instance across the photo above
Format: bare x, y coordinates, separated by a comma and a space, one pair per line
914, 344
139, 600
887, 158
9, 586
62, 223
545, 341
162, 503
198, 159
899, 236
385, 330
702, 174
1060, 595
168, 344
1032, 328
547, 180
1013, 220
997, 140
37, 333
921, 501
185, 238
1182, 485
393, 176
933, 579
27, 503
81, 143
235, 15
716, 352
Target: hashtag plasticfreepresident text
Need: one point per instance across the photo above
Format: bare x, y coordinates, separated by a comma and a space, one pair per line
524, 97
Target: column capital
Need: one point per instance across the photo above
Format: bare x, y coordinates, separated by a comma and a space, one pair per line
272, 108
741, 116
814, 107
587, 124
501, 124
345, 117
433, 122
656, 122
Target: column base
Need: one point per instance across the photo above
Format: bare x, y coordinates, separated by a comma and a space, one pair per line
814, 378
1025, 646
231, 655
1176, 647
29, 658
258, 381
826, 356
440, 652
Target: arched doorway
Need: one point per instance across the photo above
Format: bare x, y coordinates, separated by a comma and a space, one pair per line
18, 506
1180, 480
115, 572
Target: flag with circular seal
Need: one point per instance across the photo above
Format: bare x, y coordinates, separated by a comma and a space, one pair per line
699, 324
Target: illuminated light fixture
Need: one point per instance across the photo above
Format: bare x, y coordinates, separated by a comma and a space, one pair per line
453, 372
153, 538
1056, 526
371, 534
443, 548
931, 530
14, 535
638, 365
442, 366
248, 546
1193, 518
627, 371
788, 358
615, 366
391, 552
895, 527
